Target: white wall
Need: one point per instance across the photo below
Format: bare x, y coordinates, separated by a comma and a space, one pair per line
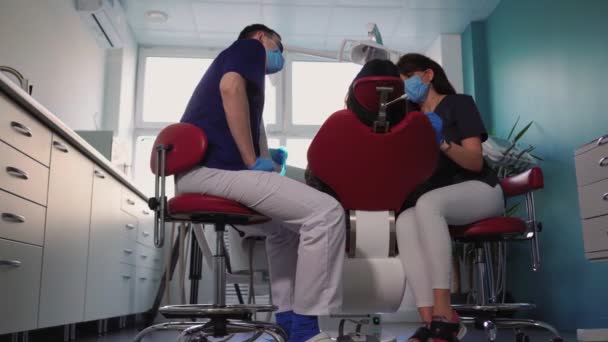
447, 51
119, 100
48, 43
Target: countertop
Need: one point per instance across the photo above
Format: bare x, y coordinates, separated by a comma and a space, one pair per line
14, 92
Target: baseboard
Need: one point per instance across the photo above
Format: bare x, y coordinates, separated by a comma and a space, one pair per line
592, 335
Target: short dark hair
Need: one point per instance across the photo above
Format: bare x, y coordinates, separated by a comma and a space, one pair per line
250, 30
376, 67
411, 62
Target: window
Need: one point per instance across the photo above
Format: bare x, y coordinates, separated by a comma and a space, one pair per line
143, 176
297, 149
168, 85
298, 101
319, 89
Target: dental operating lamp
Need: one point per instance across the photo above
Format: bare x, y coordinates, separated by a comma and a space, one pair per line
355, 51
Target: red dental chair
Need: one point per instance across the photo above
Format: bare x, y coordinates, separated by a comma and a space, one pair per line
489, 238
372, 172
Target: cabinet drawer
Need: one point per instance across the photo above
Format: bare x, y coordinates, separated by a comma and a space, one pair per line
21, 220
592, 166
22, 131
593, 199
127, 252
130, 202
20, 266
23, 176
147, 283
595, 234
128, 228
126, 290
148, 256
145, 233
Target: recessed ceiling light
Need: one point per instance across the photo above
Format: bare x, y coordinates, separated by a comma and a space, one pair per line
156, 16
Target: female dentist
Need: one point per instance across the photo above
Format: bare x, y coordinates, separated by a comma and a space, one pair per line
462, 190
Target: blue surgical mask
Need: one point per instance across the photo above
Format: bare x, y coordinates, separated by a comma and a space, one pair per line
415, 89
274, 61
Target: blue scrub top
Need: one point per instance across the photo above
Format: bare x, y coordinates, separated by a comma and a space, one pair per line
246, 57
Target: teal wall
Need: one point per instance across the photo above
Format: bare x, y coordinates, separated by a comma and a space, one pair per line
547, 61
475, 68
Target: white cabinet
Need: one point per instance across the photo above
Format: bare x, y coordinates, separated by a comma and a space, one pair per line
112, 253
19, 286
64, 268
592, 179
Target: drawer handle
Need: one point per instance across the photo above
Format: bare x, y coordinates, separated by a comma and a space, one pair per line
130, 226
128, 251
145, 212
603, 162
10, 263
13, 218
99, 174
605, 197
143, 278
143, 256
21, 128
126, 276
61, 147
602, 140
146, 234
130, 201
15, 172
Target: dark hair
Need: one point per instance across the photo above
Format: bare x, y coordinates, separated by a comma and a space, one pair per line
394, 112
250, 30
411, 62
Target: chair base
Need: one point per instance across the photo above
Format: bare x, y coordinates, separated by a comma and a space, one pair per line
491, 324
194, 311
492, 308
218, 327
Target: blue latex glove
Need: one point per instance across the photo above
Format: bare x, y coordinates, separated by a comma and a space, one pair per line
437, 124
262, 164
279, 156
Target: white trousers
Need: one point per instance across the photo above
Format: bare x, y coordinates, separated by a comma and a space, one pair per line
305, 239
423, 236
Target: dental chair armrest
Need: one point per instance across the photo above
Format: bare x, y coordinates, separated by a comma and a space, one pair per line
523, 183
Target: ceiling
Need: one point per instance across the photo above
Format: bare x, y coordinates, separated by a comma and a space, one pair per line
405, 25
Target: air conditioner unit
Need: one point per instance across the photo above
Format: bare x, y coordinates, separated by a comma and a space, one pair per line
104, 18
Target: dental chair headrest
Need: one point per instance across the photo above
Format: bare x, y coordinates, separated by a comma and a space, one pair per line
364, 98
371, 171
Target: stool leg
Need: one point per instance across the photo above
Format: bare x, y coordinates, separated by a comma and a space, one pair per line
481, 295
219, 266
196, 266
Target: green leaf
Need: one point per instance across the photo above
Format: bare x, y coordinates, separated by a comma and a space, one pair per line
523, 131
512, 209
536, 157
513, 128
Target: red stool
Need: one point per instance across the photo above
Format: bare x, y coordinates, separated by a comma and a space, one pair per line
178, 148
488, 302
